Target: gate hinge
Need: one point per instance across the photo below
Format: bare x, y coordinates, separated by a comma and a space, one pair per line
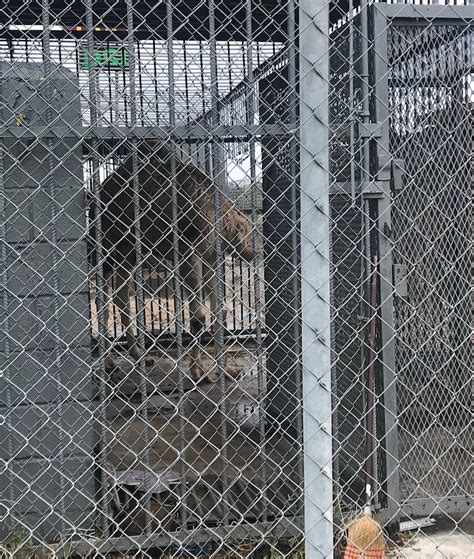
400, 279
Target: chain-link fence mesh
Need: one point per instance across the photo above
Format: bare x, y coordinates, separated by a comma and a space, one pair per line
235, 243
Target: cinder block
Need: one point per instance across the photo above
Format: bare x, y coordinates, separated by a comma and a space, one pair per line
28, 214
36, 377
29, 93
32, 491
38, 484
44, 430
28, 164
30, 268
42, 323
46, 383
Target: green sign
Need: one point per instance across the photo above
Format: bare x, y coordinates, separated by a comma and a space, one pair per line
110, 57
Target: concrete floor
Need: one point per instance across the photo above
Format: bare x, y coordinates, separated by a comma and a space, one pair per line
447, 540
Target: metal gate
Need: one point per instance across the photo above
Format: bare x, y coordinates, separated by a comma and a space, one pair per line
427, 70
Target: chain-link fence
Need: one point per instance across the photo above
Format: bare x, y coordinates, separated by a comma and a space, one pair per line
235, 274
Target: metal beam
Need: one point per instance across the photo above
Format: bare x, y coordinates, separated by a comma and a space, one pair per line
197, 133
315, 276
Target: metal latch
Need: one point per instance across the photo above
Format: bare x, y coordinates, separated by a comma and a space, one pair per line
400, 279
398, 171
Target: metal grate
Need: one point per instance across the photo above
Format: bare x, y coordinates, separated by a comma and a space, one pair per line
430, 123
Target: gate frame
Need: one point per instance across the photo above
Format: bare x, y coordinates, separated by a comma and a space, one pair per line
383, 15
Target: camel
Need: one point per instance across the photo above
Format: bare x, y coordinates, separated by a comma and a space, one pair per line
197, 234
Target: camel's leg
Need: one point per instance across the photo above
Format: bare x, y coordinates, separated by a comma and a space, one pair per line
191, 275
210, 288
122, 302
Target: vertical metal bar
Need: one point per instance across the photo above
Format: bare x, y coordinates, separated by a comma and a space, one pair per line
52, 186
116, 99
364, 77
109, 304
229, 65
153, 284
169, 323
293, 117
124, 96
217, 170
251, 110
351, 101
186, 84
203, 83
100, 282
177, 280
382, 104
5, 307
370, 384
241, 297
315, 276
160, 275
109, 83
234, 301
140, 83
140, 365
155, 82
249, 293
11, 48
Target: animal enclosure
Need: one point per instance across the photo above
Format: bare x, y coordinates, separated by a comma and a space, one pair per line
235, 272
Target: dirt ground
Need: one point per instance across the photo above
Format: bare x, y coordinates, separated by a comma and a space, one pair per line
446, 540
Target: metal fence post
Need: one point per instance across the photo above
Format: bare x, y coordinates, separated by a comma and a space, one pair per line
315, 272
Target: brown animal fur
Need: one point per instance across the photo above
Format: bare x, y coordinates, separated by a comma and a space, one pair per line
196, 225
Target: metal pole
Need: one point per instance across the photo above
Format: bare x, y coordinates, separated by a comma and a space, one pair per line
145, 455
251, 111
99, 274
315, 276
351, 100
293, 116
364, 80
217, 175
387, 327
177, 280
5, 363
52, 186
